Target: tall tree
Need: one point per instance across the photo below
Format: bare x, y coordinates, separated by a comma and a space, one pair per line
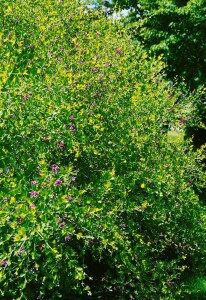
174, 28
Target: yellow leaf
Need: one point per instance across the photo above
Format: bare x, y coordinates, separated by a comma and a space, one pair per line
9, 10
79, 235
12, 200
42, 27
107, 185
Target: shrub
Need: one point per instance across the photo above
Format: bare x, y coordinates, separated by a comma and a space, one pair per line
95, 202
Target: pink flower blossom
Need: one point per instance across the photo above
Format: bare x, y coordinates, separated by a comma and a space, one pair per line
55, 169
62, 224
21, 250
34, 182
58, 182
4, 263
61, 145
183, 121
118, 51
34, 194
71, 128
68, 237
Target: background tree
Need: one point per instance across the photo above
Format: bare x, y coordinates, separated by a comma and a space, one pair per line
175, 29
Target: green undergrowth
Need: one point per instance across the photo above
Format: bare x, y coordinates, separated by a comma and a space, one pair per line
197, 287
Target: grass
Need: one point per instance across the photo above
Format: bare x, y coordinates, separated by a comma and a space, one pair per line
197, 286
176, 136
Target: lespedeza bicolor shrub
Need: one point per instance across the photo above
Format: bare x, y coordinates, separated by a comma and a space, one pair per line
94, 200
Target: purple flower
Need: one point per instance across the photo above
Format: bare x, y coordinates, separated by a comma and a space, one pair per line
4, 263
118, 51
19, 220
73, 179
41, 247
68, 237
170, 283
97, 95
72, 117
183, 121
62, 224
58, 182
34, 182
95, 70
24, 97
71, 128
34, 194
32, 205
55, 169
61, 144
5, 199
21, 250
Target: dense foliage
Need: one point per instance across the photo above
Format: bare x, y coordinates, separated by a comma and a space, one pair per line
95, 200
